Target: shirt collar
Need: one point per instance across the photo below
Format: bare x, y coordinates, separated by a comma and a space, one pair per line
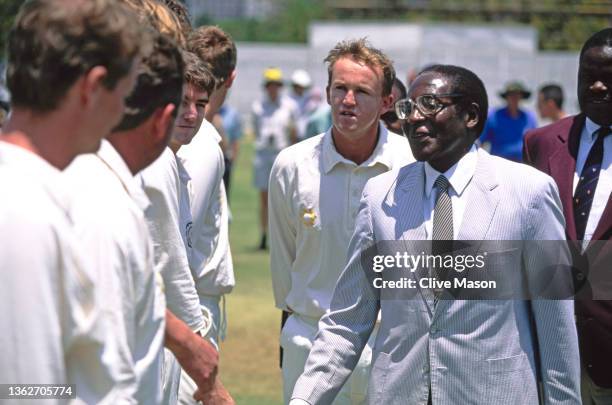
591, 128
382, 152
109, 155
459, 175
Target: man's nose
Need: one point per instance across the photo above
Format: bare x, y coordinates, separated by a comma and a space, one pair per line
415, 115
191, 112
598, 86
349, 98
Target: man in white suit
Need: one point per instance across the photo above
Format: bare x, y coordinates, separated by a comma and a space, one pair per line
444, 351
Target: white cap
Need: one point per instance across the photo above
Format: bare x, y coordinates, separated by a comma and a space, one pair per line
301, 78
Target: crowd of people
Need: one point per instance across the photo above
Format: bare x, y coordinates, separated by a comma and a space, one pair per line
115, 161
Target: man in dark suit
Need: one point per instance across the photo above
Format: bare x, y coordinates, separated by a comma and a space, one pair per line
577, 152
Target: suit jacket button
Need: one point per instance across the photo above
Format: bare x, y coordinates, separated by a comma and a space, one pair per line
580, 276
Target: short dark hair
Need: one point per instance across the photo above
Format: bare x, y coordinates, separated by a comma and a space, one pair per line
54, 42
159, 83
198, 72
216, 47
362, 51
600, 38
465, 82
553, 92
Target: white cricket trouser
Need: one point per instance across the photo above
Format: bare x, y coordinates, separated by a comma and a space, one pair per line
171, 376
297, 338
210, 307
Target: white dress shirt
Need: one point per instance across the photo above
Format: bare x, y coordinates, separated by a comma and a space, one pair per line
210, 259
459, 176
109, 220
314, 198
50, 320
162, 184
604, 184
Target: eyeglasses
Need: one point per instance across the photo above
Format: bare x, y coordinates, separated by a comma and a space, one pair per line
428, 104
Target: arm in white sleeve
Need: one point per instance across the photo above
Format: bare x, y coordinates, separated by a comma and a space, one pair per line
282, 230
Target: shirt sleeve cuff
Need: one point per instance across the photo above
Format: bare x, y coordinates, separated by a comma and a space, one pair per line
298, 401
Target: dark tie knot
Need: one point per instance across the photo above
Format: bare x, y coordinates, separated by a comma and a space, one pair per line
604, 131
442, 183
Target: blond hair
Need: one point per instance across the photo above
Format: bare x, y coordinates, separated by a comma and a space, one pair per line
360, 50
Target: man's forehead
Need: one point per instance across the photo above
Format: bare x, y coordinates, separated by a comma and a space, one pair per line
194, 92
599, 57
430, 82
349, 59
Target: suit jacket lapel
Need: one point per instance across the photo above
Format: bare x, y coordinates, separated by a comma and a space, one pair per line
562, 167
408, 196
482, 203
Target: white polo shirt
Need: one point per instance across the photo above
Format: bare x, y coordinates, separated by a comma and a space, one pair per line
211, 259
161, 184
51, 328
109, 220
313, 201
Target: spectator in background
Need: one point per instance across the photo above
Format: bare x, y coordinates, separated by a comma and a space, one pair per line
231, 125
507, 125
274, 123
319, 119
393, 124
300, 93
550, 102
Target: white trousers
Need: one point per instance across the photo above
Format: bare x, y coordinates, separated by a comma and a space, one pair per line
297, 338
210, 307
171, 376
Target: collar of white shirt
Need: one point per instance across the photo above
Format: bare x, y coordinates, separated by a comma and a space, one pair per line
109, 155
591, 128
382, 152
459, 175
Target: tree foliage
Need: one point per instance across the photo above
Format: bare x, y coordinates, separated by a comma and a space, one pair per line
289, 24
561, 24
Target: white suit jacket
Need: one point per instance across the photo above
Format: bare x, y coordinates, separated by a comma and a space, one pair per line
465, 351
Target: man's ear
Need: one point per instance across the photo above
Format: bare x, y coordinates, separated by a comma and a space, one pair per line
91, 85
163, 122
230, 80
387, 103
327, 95
472, 114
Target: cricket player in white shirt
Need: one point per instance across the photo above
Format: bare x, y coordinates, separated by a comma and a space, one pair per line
70, 67
109, 212
210, 259
199, 84
314, 194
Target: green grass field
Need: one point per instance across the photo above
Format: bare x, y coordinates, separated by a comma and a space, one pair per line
249, 355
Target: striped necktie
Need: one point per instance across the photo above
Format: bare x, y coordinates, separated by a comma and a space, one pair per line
442, 232
585, 189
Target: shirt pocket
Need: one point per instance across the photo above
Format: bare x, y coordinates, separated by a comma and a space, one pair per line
508, 364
